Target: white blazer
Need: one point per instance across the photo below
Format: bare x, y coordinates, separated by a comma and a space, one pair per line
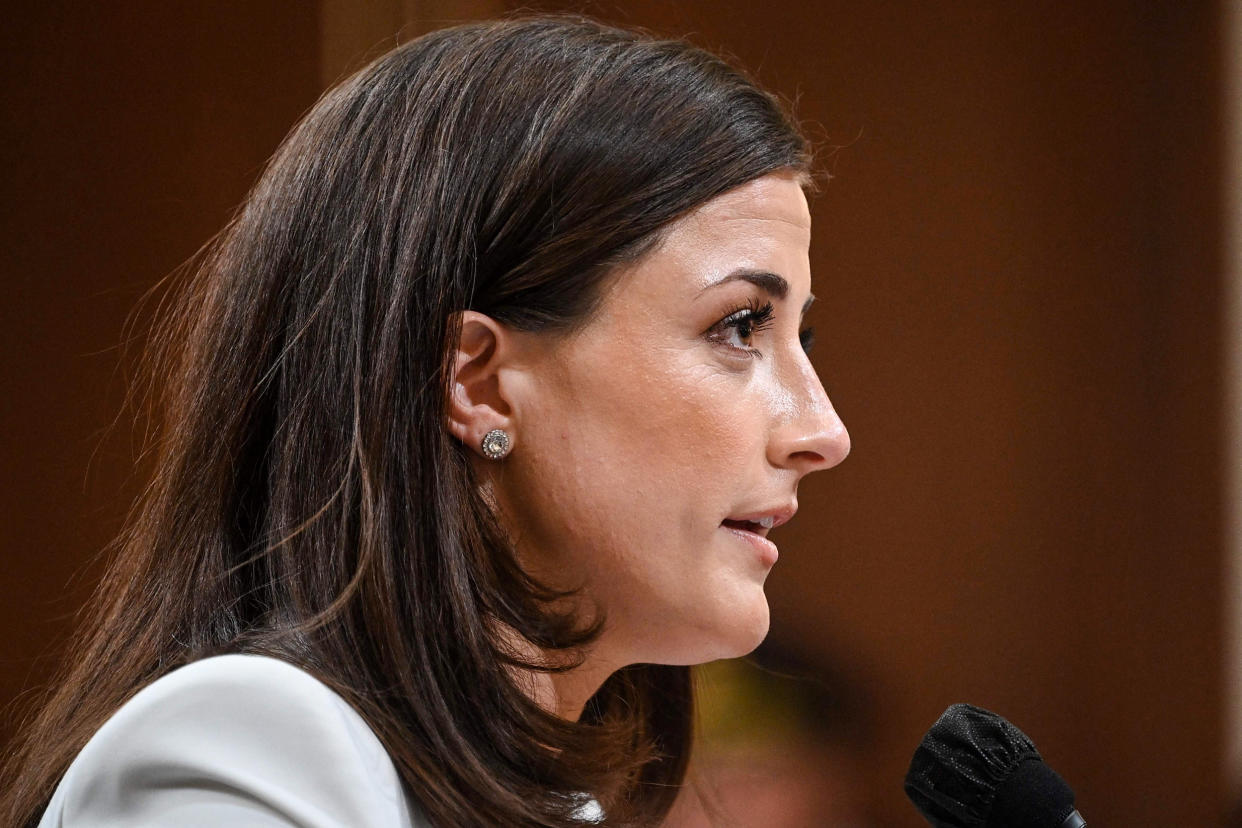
234, 740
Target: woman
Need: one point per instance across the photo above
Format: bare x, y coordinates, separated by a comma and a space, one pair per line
479, 413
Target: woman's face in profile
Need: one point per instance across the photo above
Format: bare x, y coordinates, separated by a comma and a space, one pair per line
656, 447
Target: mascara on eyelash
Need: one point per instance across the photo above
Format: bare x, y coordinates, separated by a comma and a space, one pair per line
759, 317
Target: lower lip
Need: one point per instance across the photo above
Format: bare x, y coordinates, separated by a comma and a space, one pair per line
766, 549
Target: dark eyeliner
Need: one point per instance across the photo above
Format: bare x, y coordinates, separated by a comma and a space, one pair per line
758, 318
748, 320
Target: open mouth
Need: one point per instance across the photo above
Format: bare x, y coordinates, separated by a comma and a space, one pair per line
755, 533
759, 527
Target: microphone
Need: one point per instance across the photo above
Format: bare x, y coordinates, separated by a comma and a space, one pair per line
973, 769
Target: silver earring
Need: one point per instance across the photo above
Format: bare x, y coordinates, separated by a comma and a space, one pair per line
496, 444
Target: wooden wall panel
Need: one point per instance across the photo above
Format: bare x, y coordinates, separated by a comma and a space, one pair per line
353, 32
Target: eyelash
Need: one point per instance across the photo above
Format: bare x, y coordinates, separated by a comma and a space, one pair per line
753, 318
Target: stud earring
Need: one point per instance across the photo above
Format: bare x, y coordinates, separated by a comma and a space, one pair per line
496, 444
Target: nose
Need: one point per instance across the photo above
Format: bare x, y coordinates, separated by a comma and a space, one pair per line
809, 436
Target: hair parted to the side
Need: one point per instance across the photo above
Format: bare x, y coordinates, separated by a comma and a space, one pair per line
308, 500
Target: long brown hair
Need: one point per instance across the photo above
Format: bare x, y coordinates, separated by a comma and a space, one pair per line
308, 501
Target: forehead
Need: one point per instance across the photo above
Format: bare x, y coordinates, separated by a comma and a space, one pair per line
762, 225
776, 198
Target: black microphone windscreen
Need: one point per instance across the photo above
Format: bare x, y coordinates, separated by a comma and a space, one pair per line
973, 769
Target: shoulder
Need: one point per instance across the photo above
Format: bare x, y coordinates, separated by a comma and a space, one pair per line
233, 739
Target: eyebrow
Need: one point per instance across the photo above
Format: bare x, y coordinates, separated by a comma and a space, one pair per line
769, 283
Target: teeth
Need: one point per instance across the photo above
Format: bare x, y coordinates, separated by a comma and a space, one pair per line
766, 522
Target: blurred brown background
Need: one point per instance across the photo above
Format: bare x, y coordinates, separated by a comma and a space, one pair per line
1020, 262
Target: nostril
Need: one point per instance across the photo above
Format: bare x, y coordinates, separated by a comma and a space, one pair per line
810, 443
823, 450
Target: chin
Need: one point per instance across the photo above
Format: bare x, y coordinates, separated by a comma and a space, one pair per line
752, 634
737, 635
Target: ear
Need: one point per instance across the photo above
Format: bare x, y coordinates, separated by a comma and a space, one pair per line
478, 401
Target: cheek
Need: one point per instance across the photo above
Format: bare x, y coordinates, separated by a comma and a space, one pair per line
654, 450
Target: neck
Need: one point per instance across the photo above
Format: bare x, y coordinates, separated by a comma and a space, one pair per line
564, 694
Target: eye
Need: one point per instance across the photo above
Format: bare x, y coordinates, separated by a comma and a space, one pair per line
807, 338
740, 327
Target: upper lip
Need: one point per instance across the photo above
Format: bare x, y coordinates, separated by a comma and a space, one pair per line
767, 518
